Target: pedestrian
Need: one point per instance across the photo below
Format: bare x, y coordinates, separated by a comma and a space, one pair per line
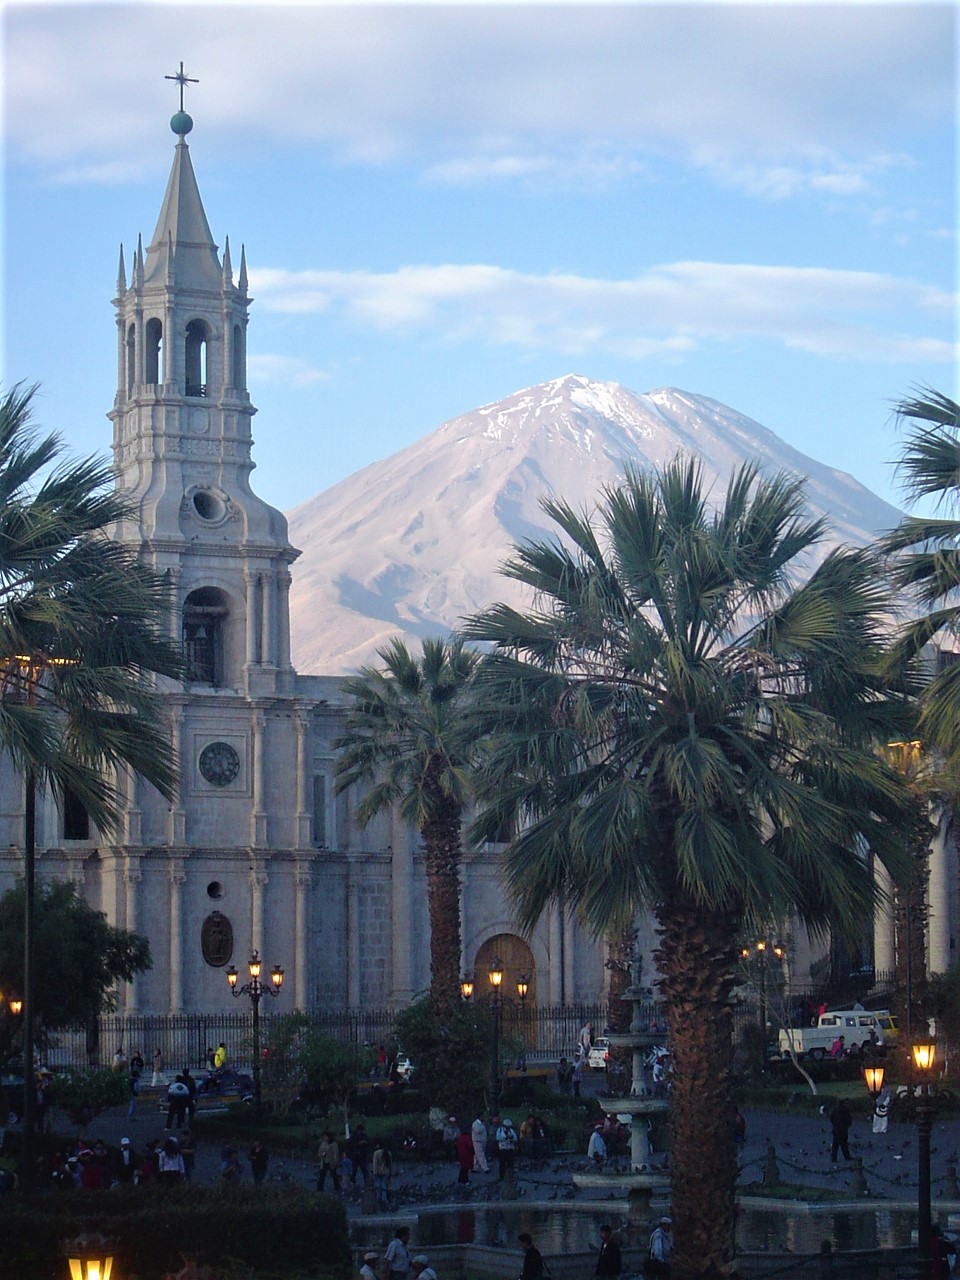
464, 1156
231, 1170
170, 1166
533, 1268
478, 1133
506, 1147
596, 1147
382, 1166
134, 1091
564, 1076
361, 1156
189, 1153
125, 1165
119, 1062
881, 1110
422, 1268
577, 1075
396, 1260
191, 1084
328, 1153
586, 1039
178, 1099
157, 1080
258, 1157
220, 1057
381, 1062
136, 1062
840, 1121
211, 1057
838, 1049
609, 1262
661, 1247
366, 1271
449, 1136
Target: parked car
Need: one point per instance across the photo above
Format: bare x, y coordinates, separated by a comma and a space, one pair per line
599, 1054
888, 1020
859, 1028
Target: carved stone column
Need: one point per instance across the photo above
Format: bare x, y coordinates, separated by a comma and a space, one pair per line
302, 835
569, 985
353, 936
258, 883
258, 818
177, 830
268, 648
178, 877
251, 581
132, 875
884, 953
303, 880
555, 927
132, 813
283, 620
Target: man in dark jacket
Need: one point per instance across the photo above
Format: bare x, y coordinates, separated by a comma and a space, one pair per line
609, 1262
840, 1122
533, 1268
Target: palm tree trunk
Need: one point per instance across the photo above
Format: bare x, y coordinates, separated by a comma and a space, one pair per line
697, 966
620, 1011
910, 927
441, 841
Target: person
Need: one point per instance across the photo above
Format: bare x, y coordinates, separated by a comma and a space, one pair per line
231, 1170
596, 1147
361, 1155
506, 1147
661, 1247
157, 1079
422, 1268
119, 1062
449, 1136
258, 1157
609, 1262
533, 1268
382, 1167
189, 1153
840, 1121
396, 1260
939, 1254
577, 1077
381, 1061
838, 1048
564, 1076
366, 1271
586, 1039
881, 1110
191, 1084
464, 1156
211, 1057
328, 1153
478, 1132
170, 1167
136, 1062
220, 1057
134, 1091
178, 1099
125, 1165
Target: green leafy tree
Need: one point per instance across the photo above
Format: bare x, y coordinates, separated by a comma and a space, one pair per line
451, 1053
282, 1070
405, 739
82, 625
678, 728
332, 1069
80, 958
925, 554
84, 1095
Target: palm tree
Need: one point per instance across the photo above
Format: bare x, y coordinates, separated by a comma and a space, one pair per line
405, 736
925, 554
675, 727
82, 625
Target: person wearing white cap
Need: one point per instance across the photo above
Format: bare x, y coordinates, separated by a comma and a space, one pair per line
661, 1247
421, 1265
369, 1261
506, 1147
126, 1164
596, 1147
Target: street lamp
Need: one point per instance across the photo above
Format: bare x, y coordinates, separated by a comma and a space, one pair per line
89, 1258
495, 976
924, 1053
256, 990
466, 988
758, 953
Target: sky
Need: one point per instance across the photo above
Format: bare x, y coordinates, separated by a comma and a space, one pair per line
442, 204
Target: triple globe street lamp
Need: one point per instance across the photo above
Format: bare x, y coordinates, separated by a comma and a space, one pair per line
924, 1055
496, 999
256, 990
757, 956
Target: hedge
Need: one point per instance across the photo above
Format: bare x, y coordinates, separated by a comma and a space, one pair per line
276, 1230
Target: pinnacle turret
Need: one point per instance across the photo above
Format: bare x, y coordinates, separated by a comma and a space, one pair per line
242, 283
138, 264
227, 265
121, 276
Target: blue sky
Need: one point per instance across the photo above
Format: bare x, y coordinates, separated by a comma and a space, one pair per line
442, 204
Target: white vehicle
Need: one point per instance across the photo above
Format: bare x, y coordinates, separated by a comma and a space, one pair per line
599, 1054
857, 1026
405, 1067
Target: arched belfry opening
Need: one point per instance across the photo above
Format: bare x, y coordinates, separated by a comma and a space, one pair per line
205, 614
239, 359
131, 357
198, 336
153, 352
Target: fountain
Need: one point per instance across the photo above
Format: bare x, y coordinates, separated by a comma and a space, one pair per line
642, 1181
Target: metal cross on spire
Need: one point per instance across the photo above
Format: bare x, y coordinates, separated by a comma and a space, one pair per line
182, 79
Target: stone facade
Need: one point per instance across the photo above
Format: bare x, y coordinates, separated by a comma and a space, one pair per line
257, 851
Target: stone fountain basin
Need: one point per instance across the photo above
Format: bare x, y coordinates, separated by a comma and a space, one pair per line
635, 1039
618, 1183
634, 1105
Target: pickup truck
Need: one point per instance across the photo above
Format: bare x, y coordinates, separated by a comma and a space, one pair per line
857, 1026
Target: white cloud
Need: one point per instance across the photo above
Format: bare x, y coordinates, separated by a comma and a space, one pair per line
288, 370
766, 89
670, 309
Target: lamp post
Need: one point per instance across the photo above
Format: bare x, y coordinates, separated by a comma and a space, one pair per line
256, 990
758, 955
89, 1257
924, 1053
496, 1000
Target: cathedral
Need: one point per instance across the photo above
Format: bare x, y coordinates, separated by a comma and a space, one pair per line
257, 853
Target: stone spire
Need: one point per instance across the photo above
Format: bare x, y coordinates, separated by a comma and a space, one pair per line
242, 282
183, 224
227, 264
121, 276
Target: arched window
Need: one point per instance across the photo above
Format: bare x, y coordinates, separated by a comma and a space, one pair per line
196, 358
204, 614
131, 357
153, 352
239, 359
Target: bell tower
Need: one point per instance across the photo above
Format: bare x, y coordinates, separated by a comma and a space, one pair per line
182, 444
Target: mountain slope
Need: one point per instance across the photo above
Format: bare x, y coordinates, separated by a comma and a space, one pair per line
411, 544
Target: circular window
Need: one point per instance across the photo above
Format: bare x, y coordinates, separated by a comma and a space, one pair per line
208, 505
214, 889
219, 763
